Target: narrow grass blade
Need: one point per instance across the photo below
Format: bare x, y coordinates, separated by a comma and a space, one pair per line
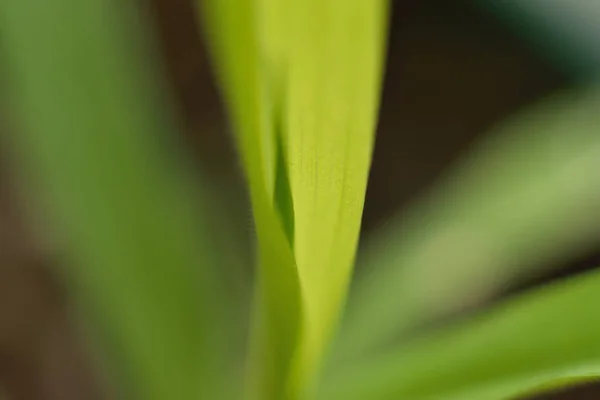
313, 68
95, 142
234, 38
333, 74
232, 32
543, 339
527, 196
302, 81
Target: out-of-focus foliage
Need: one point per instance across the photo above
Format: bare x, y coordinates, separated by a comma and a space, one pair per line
542, 339
301, 82
566, 32
95, 141
526, 197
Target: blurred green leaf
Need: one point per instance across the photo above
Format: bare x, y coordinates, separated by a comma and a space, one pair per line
231, 27
95, 142
543, 339
526, 197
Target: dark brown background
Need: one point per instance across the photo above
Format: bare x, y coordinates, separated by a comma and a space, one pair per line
452, 72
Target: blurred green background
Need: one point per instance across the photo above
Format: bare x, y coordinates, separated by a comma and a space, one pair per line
454, 69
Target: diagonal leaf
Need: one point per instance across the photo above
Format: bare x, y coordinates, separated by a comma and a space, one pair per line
525, 197
94, 140
540, 340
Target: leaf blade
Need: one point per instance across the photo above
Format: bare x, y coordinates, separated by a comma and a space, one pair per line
234, 36
522, 198
307, 51
333, 71
516, 347
88, 103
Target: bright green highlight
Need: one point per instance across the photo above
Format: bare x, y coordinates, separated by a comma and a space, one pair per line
297, 59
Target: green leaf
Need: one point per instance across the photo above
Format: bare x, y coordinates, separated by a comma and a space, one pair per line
545, 338
302, 81
231, 26
333, 71
95, 143
526, 197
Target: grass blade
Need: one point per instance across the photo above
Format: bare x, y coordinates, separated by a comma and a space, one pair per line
333, 70
302, 82
527, 196
231, 26
543, 339
94, 140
